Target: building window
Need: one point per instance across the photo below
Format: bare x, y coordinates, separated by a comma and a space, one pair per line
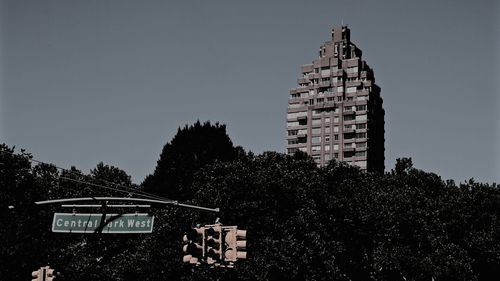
316, 131
317, 159
293, 132
327, 130
292, 150
335, 119
349, 117
336, 137
316, 148
361, 117
351, 90
293, 141
360, 135
361, 126
316, 121
360, 107
353, 69
335, 129
348, 136
348, 154
360, 153
316, 139
296, 114
361, 144
327, 148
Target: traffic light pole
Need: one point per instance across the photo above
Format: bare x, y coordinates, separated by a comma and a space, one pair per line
126, 199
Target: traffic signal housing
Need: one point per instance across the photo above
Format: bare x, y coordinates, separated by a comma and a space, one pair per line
49, 274
45, 273
37, 275
193, 246
213, 243
235, 243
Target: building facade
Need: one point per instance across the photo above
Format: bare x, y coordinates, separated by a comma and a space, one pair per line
336, 110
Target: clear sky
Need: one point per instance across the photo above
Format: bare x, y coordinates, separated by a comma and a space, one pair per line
90, 81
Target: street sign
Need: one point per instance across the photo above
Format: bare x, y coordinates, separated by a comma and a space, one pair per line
89, 223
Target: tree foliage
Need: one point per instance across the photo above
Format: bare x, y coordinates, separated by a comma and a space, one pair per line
191, 148
303, 222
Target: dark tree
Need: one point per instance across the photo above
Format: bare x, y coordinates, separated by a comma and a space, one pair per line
303, 222
192, 148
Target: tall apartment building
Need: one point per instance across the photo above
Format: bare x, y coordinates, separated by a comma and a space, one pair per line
336, 110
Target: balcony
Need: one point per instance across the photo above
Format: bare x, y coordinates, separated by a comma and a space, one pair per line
348, 154
311, 76
307, 68
302, 80
295, 126
367, 83
363, 92
348, 111
352, 75
356, 83
349, 136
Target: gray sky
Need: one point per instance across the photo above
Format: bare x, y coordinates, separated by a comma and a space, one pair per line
90, 81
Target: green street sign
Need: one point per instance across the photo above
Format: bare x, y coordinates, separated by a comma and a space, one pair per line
89, 223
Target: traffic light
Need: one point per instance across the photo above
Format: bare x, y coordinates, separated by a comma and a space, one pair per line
49, 274
213, 243
234, 242
43, 274
194, 245
37, 275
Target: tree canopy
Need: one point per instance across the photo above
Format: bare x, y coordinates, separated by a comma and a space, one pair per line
304, 222
191, 148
